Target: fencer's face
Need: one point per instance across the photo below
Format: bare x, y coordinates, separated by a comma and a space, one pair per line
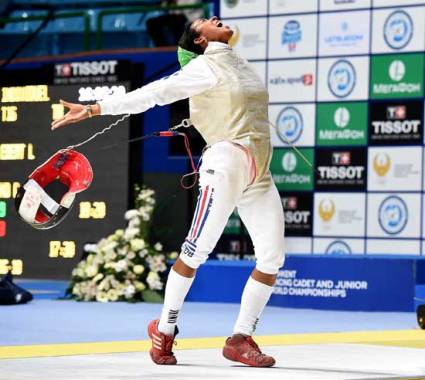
211, 30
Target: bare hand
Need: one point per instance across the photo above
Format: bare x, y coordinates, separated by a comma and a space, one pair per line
76, 113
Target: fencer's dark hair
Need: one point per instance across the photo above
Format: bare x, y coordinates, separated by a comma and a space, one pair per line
187, 39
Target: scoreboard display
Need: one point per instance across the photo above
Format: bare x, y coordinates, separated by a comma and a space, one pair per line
29, 101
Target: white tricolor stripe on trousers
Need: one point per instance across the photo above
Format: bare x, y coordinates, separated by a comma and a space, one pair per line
201, 215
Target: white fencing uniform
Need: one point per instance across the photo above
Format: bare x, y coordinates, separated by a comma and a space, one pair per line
229, 107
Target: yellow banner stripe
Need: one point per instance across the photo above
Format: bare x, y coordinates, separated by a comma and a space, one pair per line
402, 338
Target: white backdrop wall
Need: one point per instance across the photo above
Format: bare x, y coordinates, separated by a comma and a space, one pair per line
346, 81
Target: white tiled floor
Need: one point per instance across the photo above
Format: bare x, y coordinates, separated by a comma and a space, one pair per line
321, 361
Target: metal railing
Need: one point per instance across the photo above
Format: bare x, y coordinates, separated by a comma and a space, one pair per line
84, 15
100, 18
142, 9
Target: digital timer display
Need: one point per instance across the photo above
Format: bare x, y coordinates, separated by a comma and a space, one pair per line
26, 141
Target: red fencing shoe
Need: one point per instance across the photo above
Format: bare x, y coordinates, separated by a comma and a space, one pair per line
161, 351
243, 349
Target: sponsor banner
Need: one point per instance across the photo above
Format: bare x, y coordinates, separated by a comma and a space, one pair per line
341, 124
290, 36
423, 220
393, 247
292, 81
233, 225
398, 29
241, 8
260, 69
330, 5
343, 79
249, 38
290, 171
395, 169
298, 208
339, 214
344, 33
396, 122
90, 72
293, 6
335, 283
233, 247
423, 176
340, 169
389, 3
294, 124
298, 246
397, 76
393, 215
338, 247
345, 284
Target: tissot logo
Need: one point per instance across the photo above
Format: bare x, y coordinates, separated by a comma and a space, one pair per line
393, 121
75, 69
341, 169
341, 158
396, 113
298, 212
289, 203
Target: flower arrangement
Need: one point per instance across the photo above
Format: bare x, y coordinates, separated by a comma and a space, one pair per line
124, 266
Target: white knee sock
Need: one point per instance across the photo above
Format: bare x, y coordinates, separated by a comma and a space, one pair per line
254, 298
175, 292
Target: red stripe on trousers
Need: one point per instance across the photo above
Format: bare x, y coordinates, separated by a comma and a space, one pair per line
200, 215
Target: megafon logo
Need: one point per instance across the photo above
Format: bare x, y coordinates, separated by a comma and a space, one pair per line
326, 209
289, 162
341, 117
381, 164
77, 69
397, 70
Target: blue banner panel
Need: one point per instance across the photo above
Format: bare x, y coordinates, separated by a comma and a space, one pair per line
419, 295
346, 284
220, 281
358, 284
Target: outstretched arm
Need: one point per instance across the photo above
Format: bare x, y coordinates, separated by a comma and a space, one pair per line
195, 78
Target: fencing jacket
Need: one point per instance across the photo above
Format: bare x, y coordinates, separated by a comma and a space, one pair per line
228, 101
